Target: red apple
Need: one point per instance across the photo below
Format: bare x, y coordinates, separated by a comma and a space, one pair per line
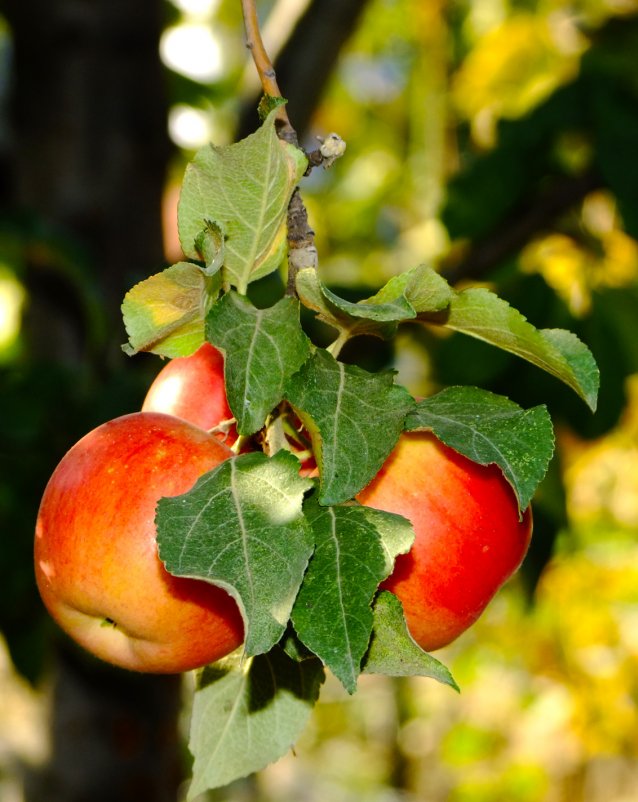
469, 539
96, 560
192, 388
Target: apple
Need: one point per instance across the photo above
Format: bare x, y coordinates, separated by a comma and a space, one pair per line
96, 560
468, 536
192, 388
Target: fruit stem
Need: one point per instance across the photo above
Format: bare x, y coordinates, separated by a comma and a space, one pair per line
223, 427
239, 443
281, 433
335, 347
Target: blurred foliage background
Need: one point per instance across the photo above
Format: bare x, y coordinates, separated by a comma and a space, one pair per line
498, 140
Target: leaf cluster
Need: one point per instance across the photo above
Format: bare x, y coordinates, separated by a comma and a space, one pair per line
300, 556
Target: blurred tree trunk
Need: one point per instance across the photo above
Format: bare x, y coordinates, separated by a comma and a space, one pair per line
88, 157
114, 735
89, 144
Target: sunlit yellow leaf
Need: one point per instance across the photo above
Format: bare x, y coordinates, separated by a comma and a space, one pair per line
165, 313
514, 67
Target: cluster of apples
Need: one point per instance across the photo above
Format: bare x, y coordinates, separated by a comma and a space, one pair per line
96, 560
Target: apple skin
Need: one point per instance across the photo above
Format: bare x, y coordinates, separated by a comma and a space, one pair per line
468, 536
96, 560
192, 388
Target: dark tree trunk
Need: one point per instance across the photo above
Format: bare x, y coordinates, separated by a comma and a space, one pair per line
89, 130
114, 736
87, 157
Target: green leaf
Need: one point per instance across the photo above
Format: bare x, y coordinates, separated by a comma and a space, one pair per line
294, 648
402, 298
332, 614
395, 532
267, 103
346, 316
354, 419
165, 313
393, 651
481, 314
245, 188
241, 527
263, 348
209, 244
422, 287
247, 714
489, 428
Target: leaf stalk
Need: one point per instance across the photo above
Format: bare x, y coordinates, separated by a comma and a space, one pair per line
335, 347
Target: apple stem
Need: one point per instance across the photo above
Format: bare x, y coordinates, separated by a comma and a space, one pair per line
274, 436
239, 444
223, 427
335, 347
281, 433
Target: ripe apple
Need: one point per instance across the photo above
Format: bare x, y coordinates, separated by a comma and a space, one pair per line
96, 560
192, 388
468, 536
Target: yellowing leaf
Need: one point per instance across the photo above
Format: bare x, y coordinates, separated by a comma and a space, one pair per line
165, 313
511, 69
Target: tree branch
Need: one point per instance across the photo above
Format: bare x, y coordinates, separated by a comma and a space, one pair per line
308, 58
265, 69
301, 242
301, 238
521, 226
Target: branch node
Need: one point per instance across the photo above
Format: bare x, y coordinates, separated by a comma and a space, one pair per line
332, 147
302, 252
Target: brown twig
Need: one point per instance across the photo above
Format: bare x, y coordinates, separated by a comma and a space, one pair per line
308, 60
301, 244
265, 69
301, 241
519, 228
